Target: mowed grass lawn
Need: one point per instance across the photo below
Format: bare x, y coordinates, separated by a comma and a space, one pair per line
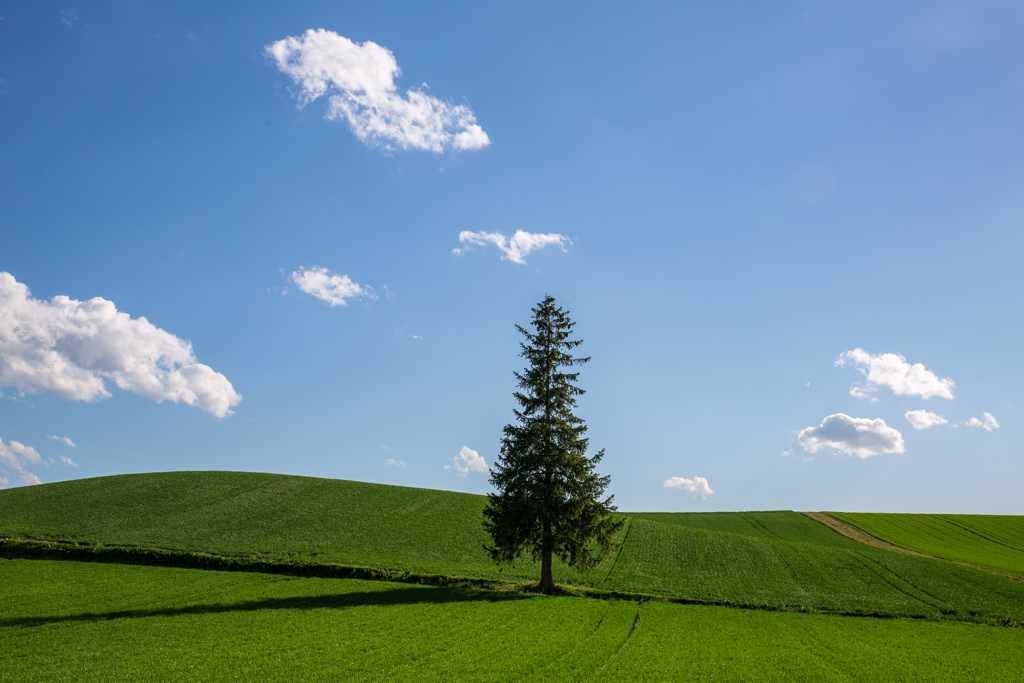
86, 621
993, 541
776, 559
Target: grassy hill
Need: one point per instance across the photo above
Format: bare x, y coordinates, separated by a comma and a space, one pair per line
772, 559
993, 541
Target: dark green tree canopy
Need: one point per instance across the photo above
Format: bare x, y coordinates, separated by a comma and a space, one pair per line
548, 499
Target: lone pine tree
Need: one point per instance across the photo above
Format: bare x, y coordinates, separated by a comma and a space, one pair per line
548, 496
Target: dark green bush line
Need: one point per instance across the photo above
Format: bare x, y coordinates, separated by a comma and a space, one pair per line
54, 550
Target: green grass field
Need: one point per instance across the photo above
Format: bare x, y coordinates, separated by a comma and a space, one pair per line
774, 559
88, 621
993, 541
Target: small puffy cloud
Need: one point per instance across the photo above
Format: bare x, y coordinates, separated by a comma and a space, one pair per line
988, 424
359, 82
468, 461
330, 287
893, 371
696, 487
515, 249
68, 461
63, 439
15, 457
67, 347
923, 419
391, 462
857, 436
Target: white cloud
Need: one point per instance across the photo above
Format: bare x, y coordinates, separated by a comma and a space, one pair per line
329, 287
359, 80
863, 391
68, 461
391, 462
923, 419
988, 424
468, 461
515, 249
893, 371
17, 456
696, 487
857, 436
67, 347
63, 439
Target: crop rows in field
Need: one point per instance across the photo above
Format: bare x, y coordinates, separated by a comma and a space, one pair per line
83, 621
992, 541
770, 559
784, 558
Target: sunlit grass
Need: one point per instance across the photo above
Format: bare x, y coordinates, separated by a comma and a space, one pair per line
773, 559
86, 621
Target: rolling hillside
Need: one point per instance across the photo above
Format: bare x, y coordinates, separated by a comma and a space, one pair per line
770, 559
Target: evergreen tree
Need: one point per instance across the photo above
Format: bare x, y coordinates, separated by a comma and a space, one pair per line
548, 499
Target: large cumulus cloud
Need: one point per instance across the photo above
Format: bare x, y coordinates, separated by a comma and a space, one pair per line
68, 348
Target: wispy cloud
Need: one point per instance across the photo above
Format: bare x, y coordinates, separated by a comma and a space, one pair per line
857, 436
988, 424
923, 419
893, 371
468, 461
391, 462
359, 82
67, 347
696, 487
16, 457
515, 249
330, 287
68, 461
63, 439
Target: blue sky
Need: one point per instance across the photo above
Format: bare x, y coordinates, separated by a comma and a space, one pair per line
790, 237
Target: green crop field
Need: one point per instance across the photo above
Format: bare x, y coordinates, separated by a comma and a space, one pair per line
993, 541
88, 621
784, 558
771, 559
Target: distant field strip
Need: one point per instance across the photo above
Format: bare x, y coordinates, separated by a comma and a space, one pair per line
992, 541
85, 621
771, 560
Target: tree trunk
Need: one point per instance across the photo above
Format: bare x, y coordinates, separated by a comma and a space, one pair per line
547, 581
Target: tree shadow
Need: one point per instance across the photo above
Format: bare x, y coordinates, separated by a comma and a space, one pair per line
411, 595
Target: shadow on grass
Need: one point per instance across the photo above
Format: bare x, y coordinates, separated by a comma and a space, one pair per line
398, 596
